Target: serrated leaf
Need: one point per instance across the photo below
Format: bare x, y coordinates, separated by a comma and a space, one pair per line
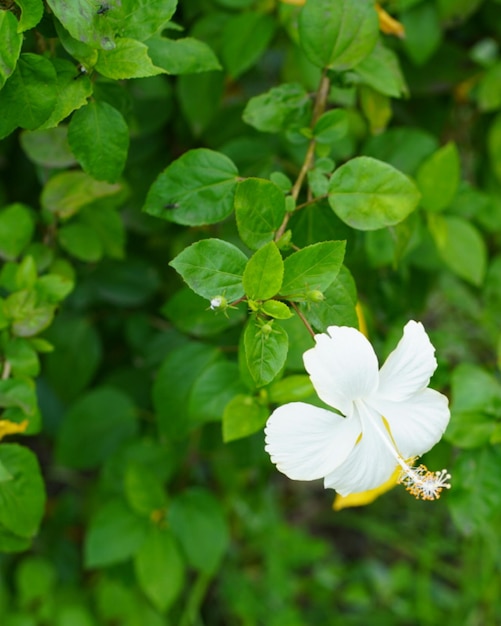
243, 416
338, 308
259, 211
212, 267
72, 89
140, 19
438, 178
265, 351
264, 273
368, 194
83, 21
313, 267
196, 189
99, 138
11, 45
159, 568
338, 35
182, 56
127, 59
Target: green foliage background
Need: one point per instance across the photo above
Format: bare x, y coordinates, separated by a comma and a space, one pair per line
185, 189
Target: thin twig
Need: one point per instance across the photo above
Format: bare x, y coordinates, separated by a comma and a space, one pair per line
303, 319
318, 109
7, 367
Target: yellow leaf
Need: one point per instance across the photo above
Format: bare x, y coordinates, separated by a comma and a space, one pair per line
388, 25
365, 497
11, 428
297, 3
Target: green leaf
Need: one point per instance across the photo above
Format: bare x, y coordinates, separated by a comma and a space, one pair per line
198, 523
438, 178
368, 194
331, 126
10, 49
245, 37
94, 427
489, 89
212, 391
82, 20
182, 56
338, 35
127, 59
54, 287
265, 350
72, 92
140, 19
22, 357
423, 32
114, 534
264, 273
200, 97
80, 241
84, 54
66, 193
196, 189
160, 568
243, 416
99, 138
493, 144
35, 580
19, 393
108, 225
381, 71
29, 96
31, 13
259, 211
291, 389
28, 314
277, 310
174, 383
143, 489
338, 308
376, 107
312, 268
16, 230
77, 349
212, 267
49, 148
22, 499
277, 109
461, 246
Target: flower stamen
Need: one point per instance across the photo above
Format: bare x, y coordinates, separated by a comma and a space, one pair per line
423, 484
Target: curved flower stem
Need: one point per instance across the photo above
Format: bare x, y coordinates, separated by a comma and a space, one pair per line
303, 319
318, 109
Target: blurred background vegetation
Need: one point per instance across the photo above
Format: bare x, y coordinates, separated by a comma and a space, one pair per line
149, 517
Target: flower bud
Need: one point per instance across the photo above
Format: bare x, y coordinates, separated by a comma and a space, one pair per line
218, 302
315, 295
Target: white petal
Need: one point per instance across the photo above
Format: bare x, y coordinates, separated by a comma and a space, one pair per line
416, 424
410, 366
369, 465
306, 442
342, 367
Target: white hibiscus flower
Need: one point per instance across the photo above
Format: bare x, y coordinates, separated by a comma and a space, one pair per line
390, 416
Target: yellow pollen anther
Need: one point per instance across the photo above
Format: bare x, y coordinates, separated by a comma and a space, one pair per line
423, 484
